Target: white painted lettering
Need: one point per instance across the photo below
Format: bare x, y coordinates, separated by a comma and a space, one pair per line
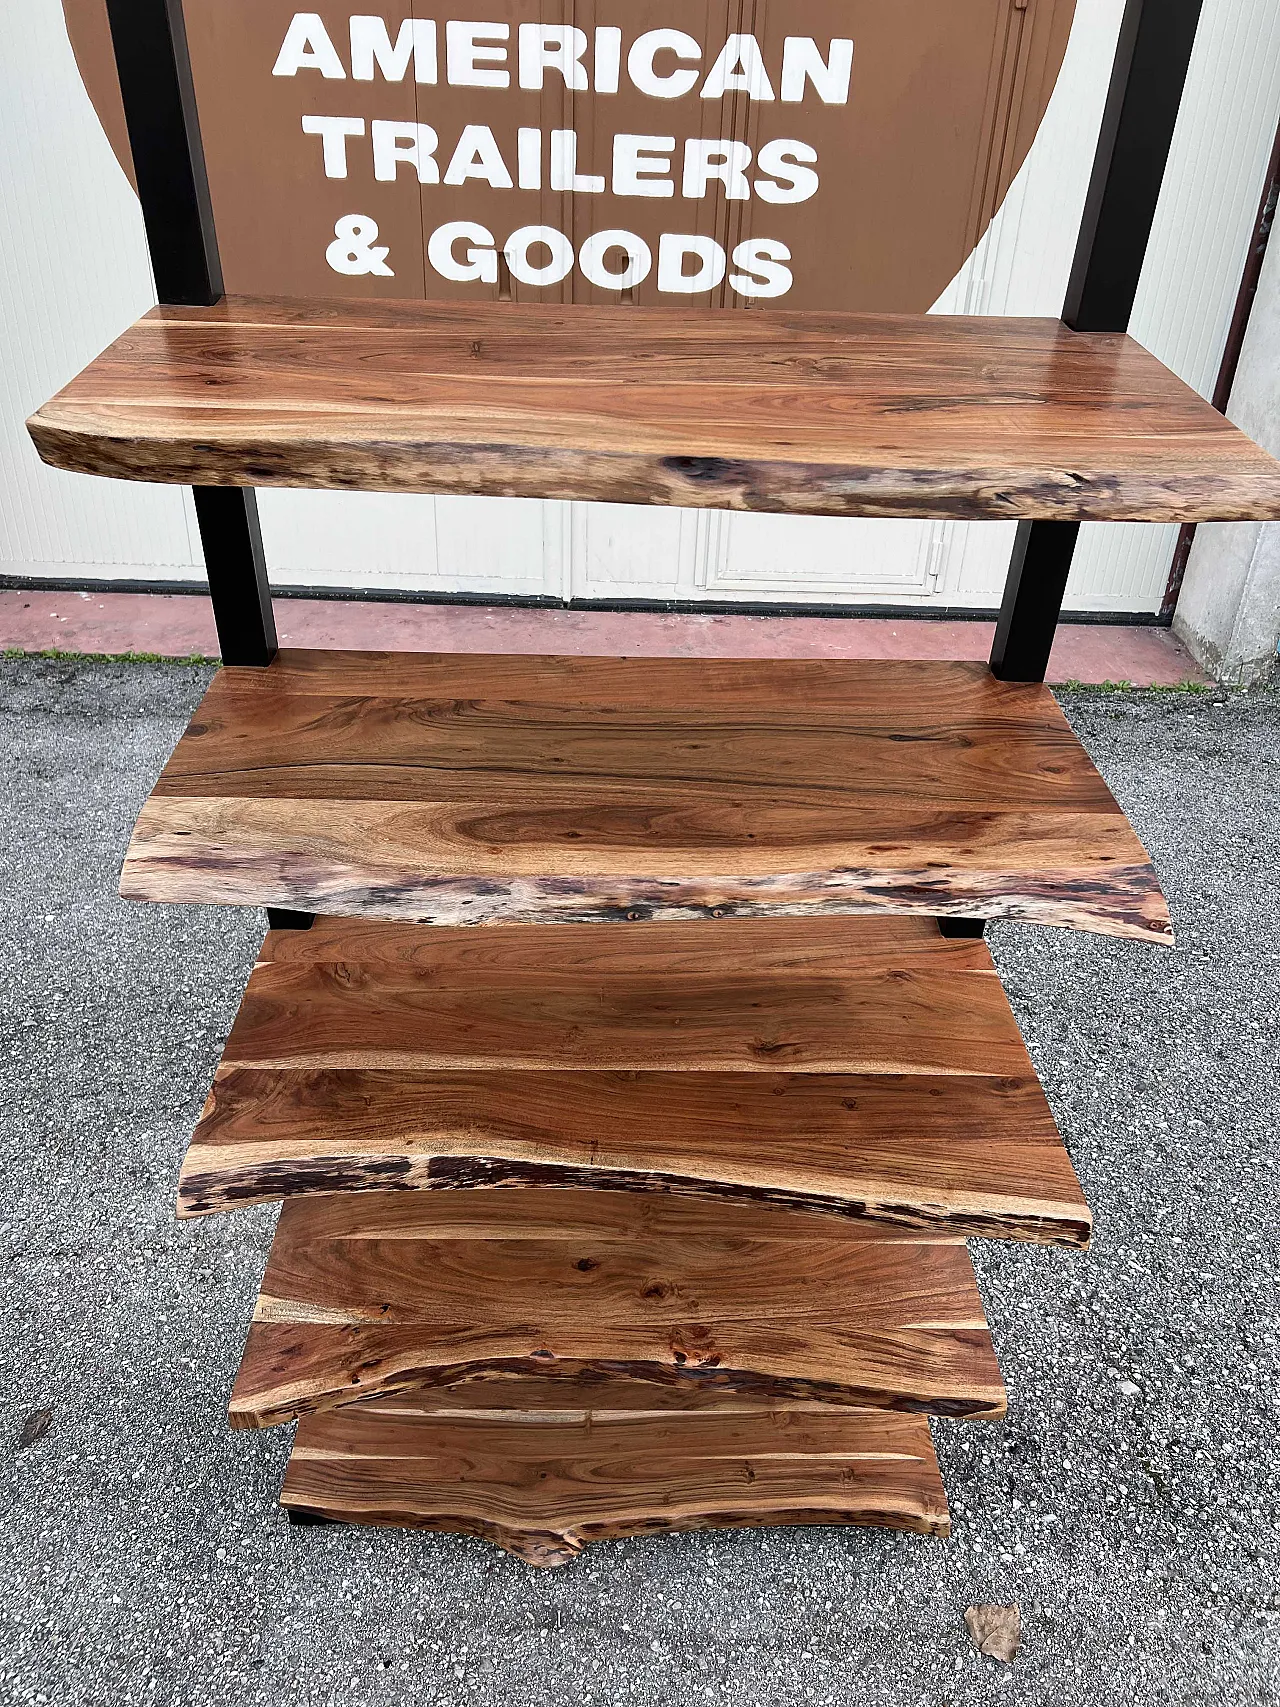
646, 48
306, 47
529, 159
673, 254
739, 70
478, 156
468, 60
546, 237
564, 166
371, 45
762, 274
608, 60
592, 256
414, 144
557, 47
642, 165
481, 263
333, 134
802, 61
352, 251
782, 158
725, 161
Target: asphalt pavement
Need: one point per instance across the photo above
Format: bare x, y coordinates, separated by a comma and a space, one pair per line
1130, 1504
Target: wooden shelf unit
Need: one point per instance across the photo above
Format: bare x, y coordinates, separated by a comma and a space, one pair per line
448, 789
865, 1068
468, 1359
542, 1467
807, 414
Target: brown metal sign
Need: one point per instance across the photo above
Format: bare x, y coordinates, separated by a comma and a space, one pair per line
742, 153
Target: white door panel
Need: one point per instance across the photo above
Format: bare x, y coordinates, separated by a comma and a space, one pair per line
628, 551
384, 540
819, 559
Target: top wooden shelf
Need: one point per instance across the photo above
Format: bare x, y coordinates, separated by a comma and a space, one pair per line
822, 414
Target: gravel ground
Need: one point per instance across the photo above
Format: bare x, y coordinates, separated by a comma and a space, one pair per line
1129, 1504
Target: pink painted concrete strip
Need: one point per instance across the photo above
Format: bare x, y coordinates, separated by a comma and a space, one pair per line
177, 625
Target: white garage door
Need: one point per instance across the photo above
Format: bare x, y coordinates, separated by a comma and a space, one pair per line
64, 197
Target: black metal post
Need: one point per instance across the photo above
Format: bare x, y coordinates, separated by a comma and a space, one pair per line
282, 919
1154, 52
1033, 594
237, 568
150, 41
962, 930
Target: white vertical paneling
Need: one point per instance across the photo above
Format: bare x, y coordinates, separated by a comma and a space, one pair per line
619, 551
1198, 249
387, 541
73, 272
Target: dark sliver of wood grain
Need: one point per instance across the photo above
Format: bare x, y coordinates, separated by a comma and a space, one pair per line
373, 1294
823, 414
862, 1067
542, 1484
474, 791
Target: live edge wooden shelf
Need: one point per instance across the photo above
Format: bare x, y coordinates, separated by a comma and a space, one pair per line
464, 790
819, 414
543, 1467
868, 1069
375, 1293
733, 1274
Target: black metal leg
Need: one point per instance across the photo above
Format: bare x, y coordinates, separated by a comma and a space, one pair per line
1152, 58
237, 567
962, 930
1033, 597
280, 919
150, 43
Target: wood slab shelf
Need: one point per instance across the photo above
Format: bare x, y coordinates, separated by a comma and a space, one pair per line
860, 1067
543, 1468
371, 1294
821, 414
468, 790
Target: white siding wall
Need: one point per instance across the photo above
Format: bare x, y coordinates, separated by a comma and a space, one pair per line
73, 273
63, 198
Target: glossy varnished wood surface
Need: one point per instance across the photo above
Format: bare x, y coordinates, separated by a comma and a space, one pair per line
831, 414
522, 1468
858, 1067
549, 999
463, 790
371, 1293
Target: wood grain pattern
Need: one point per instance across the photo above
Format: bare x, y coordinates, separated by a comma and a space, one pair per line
860, 1067
454, 790
542, 1484
849, 948
821, 414
344, 1015
369, 1294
